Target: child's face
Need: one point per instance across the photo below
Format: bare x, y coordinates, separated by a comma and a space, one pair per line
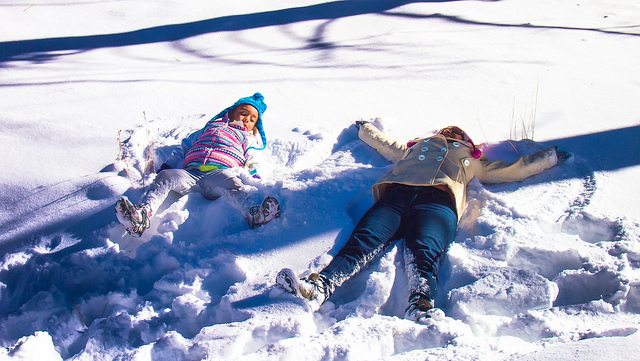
245, 113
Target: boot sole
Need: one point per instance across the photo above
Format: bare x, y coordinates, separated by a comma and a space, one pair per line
286, 280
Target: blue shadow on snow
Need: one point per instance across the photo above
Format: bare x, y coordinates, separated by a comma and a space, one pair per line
40, 50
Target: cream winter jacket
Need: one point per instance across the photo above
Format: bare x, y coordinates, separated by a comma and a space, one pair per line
440, 161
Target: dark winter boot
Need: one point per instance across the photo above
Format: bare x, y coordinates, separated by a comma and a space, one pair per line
421, 309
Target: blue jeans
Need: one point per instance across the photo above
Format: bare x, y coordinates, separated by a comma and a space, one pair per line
423, 216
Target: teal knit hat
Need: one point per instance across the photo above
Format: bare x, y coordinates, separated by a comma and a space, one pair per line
256, 101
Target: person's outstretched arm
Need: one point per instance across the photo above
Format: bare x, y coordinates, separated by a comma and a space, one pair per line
389, 148
252, 159
524, 167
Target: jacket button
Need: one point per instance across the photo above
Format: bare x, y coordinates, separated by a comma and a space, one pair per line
421, 157
439, 158
456, 144
443, 149
465, 162
424, 149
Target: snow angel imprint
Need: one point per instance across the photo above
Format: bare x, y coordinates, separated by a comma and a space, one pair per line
209, 161
420, 200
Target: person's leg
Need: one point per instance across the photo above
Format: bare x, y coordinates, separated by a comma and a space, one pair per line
429, 230
245, 198
180, 181
137, 218
374, 230
378, 225
224, 183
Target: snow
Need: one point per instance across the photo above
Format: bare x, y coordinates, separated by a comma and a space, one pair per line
96, 94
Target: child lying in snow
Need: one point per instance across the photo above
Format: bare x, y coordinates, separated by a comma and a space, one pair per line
420, 200
208, 161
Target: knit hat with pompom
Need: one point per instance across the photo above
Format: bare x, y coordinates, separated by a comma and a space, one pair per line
256, 101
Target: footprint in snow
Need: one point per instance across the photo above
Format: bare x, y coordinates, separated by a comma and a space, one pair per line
309, 134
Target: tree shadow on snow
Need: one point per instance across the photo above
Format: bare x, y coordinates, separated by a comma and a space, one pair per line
608, 150
41, 50
459, 20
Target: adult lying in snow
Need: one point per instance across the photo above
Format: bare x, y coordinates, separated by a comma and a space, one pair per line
209, 161
420, 200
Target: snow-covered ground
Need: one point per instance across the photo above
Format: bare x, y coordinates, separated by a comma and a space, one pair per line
96, 93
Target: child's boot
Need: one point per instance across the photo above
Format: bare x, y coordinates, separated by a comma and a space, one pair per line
135, 219
264, 213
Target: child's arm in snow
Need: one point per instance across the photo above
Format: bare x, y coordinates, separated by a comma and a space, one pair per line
252, 160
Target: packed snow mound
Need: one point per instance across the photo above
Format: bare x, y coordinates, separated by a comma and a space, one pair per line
503, 292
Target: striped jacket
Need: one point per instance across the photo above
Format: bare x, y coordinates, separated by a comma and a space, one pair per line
219, 144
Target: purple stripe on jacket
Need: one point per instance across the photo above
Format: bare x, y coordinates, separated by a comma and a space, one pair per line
220, 144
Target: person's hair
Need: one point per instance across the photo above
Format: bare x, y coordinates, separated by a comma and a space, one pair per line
452, 131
